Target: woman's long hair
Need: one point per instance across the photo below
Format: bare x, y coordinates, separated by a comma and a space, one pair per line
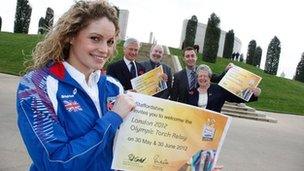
56, 44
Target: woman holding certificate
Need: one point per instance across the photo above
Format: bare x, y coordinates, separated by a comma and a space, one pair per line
212, 96
66, 111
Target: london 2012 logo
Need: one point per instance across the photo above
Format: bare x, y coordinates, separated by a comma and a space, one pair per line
208, 130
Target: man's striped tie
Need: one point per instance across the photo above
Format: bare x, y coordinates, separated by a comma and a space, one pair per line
193, 80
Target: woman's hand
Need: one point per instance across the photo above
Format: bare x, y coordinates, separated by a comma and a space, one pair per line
256, 91
230, 65
123, 105
164, 77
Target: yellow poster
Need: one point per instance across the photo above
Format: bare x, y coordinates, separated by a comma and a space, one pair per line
165, 135
240, 82
150, 83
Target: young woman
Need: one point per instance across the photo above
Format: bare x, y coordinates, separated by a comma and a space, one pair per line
66, 111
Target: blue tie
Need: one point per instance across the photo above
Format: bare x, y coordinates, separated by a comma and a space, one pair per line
133, 71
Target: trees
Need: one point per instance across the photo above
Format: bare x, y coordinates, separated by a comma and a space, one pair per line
250, 52
211, 42
22, 16
300, 70
229, 43
46, 23
49, 17
41, 24
0, 23
254, 54
257, 57
241, 58
117, 11
190, 32
273, 56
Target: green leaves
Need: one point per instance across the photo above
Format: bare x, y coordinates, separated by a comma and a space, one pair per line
273, 56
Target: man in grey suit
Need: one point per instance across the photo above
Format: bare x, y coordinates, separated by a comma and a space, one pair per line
156, 55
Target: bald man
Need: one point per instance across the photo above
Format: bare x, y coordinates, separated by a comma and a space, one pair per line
156, 56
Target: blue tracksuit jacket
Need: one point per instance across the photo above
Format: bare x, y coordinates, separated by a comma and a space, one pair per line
60, 125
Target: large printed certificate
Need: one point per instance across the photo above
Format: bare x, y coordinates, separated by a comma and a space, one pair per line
150, 83
165, 135
240, 81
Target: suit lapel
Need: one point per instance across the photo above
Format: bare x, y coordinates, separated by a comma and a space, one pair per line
124, 69
140, 69
186, 78
150, 66
210, 95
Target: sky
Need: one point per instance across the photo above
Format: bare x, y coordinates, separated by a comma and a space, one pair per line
258, 20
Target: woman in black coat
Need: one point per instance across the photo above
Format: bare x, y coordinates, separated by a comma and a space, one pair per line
212, 96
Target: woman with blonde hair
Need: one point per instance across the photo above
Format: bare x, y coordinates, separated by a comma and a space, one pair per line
68, 112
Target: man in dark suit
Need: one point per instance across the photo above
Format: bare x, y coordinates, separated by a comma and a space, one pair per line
156, 55
127, 68
185, 80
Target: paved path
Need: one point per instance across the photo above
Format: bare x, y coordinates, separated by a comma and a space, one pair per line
13, 156
254, 145
249, 145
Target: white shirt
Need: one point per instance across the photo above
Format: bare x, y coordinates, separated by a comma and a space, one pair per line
202, 100
91, 87
129, 65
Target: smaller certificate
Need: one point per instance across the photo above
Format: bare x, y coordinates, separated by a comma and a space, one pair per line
240, 82
150, 83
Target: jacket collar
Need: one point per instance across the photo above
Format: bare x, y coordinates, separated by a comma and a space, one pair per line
58, 71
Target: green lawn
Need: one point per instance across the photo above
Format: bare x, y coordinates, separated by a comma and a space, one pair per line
17, 48
278, 94
14, 50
